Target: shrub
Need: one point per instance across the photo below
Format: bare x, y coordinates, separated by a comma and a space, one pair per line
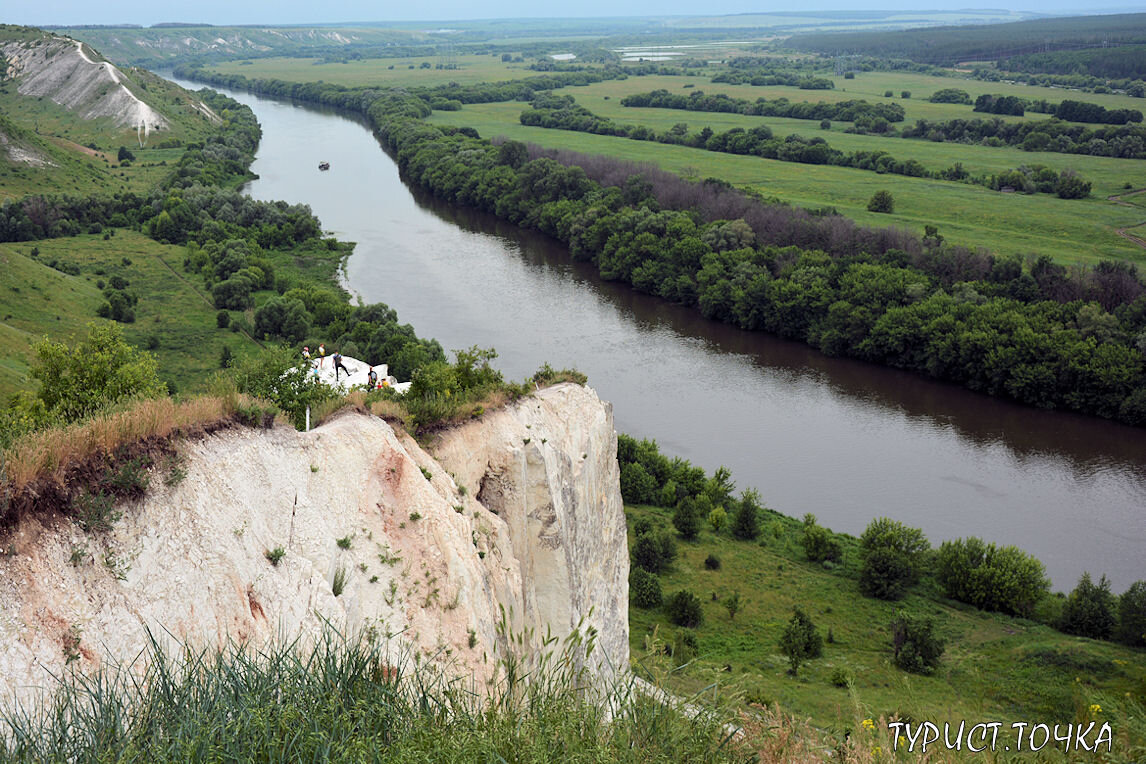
274, 556
819, 543
1089, 610
95, 512
950, 95
800, 640
75, 382
685, 646
917, 649
732, 605
644, 589
746, 521
893, 558
1132, 615
717, 518
654, 551
712, 562
683, 609
841, 677
881, 201
686, 519
1006, 579
637, 485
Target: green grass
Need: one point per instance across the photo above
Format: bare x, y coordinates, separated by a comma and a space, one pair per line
355, 701
173, 307
65, 138
1068, 230
995, 667
471, 70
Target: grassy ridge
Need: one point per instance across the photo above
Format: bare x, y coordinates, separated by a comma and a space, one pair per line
175, 319
995, 667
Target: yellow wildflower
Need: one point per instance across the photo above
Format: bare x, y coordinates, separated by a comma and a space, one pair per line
876, 751
868, 724
1095, 709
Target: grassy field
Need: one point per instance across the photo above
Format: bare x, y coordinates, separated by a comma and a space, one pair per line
67, 141
406, 71
175, 319
1068, 230
994, 667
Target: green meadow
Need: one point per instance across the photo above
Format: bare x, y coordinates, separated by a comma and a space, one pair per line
174, 318
1071, 231
405, 71
994, 667
1067, 230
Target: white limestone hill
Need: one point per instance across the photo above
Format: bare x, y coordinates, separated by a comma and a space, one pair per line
70, 74
514, 516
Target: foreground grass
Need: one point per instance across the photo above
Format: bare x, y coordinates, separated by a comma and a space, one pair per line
347, 701
994, 668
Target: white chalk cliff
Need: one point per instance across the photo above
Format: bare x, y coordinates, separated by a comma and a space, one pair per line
530, 524
61, 69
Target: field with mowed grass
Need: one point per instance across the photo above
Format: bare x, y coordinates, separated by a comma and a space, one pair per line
404, 71
1069, 230
994, 667
174, 317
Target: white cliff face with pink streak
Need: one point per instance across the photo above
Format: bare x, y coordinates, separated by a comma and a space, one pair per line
528, 528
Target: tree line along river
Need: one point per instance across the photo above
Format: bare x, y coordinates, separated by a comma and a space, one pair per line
845, 440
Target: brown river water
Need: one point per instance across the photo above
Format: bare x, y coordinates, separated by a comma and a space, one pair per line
845, 440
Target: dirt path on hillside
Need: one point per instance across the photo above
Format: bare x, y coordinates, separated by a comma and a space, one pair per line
1125, 232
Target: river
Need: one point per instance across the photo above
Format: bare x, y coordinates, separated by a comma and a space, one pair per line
845, 440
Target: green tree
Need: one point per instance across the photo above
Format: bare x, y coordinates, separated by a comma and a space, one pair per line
881, 201
76, 382
1089, 610
746, 521
684, 609
654, 551
893, 558
717, 518
1132, 615
917, 649
644, 588
732, 605
1006, 579
800, 640
819, 544
686, 519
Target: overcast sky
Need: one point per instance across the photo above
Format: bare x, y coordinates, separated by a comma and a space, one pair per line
223, 12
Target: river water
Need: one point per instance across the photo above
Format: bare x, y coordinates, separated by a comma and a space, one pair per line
844, 440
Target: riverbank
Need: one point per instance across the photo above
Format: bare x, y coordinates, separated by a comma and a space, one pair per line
843, 439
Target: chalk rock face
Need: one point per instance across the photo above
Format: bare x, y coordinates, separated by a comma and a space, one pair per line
61, 69
424, 566
547, 468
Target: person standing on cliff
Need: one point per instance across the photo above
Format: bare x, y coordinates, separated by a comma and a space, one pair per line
322, 355
337, 358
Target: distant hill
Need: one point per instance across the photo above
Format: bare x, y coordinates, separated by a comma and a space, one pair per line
946, 46
67, 110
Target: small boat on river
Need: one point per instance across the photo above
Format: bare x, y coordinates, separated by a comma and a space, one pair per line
324, 165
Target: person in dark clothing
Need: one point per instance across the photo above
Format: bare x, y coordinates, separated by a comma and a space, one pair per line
337, 357
372, 379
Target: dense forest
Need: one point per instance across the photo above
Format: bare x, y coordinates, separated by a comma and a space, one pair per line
1035, 332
